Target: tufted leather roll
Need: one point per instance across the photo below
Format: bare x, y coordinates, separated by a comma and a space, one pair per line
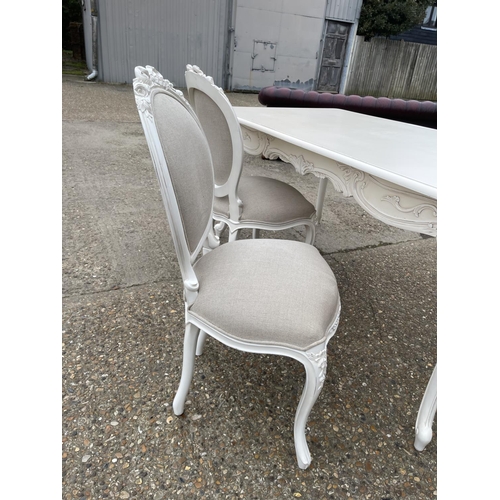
423, 113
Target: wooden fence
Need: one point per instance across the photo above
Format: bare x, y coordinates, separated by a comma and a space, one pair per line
393, 68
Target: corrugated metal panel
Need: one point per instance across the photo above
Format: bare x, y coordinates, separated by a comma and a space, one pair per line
166, 34
343, 10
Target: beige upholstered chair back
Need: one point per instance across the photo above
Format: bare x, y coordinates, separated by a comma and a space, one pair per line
188, 160
182, 162
217, 132
223, 132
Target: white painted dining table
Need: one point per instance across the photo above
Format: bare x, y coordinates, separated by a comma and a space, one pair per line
388, 167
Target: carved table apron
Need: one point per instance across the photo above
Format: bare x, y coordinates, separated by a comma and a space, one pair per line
388, 167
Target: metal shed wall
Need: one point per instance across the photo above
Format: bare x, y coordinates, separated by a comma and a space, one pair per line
166, 34
343, 10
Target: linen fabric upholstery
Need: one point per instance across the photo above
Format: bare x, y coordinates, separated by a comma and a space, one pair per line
276, 292
267, 200
189, 165
218, 136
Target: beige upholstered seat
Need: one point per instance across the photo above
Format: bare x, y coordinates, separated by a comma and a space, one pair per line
267, 296
263, 201
242, 202
251, 276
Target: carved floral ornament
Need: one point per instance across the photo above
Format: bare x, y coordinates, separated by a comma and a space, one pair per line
303, 166
320, 358
146, 80
198, 71
395, 201
419, 213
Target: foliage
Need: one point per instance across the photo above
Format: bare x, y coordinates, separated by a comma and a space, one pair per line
390, 17
71, 12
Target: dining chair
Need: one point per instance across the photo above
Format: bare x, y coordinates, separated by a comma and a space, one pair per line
254, 202
268, 296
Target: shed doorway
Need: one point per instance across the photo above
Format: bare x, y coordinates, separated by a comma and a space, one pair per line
332, 59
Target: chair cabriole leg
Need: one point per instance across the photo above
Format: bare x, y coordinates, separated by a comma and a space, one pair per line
190, 341
201, 343
315, 366
310, 234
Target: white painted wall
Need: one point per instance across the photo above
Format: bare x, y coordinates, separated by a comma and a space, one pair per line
295, 26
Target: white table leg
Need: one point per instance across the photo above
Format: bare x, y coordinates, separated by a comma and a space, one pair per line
320, 198
426, 414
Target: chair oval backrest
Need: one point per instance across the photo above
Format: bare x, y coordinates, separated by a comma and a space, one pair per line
221, 127
217, 133
182, 161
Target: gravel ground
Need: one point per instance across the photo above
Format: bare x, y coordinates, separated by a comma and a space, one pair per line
122, 352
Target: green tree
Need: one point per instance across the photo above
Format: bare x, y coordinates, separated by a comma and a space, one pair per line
390, 17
